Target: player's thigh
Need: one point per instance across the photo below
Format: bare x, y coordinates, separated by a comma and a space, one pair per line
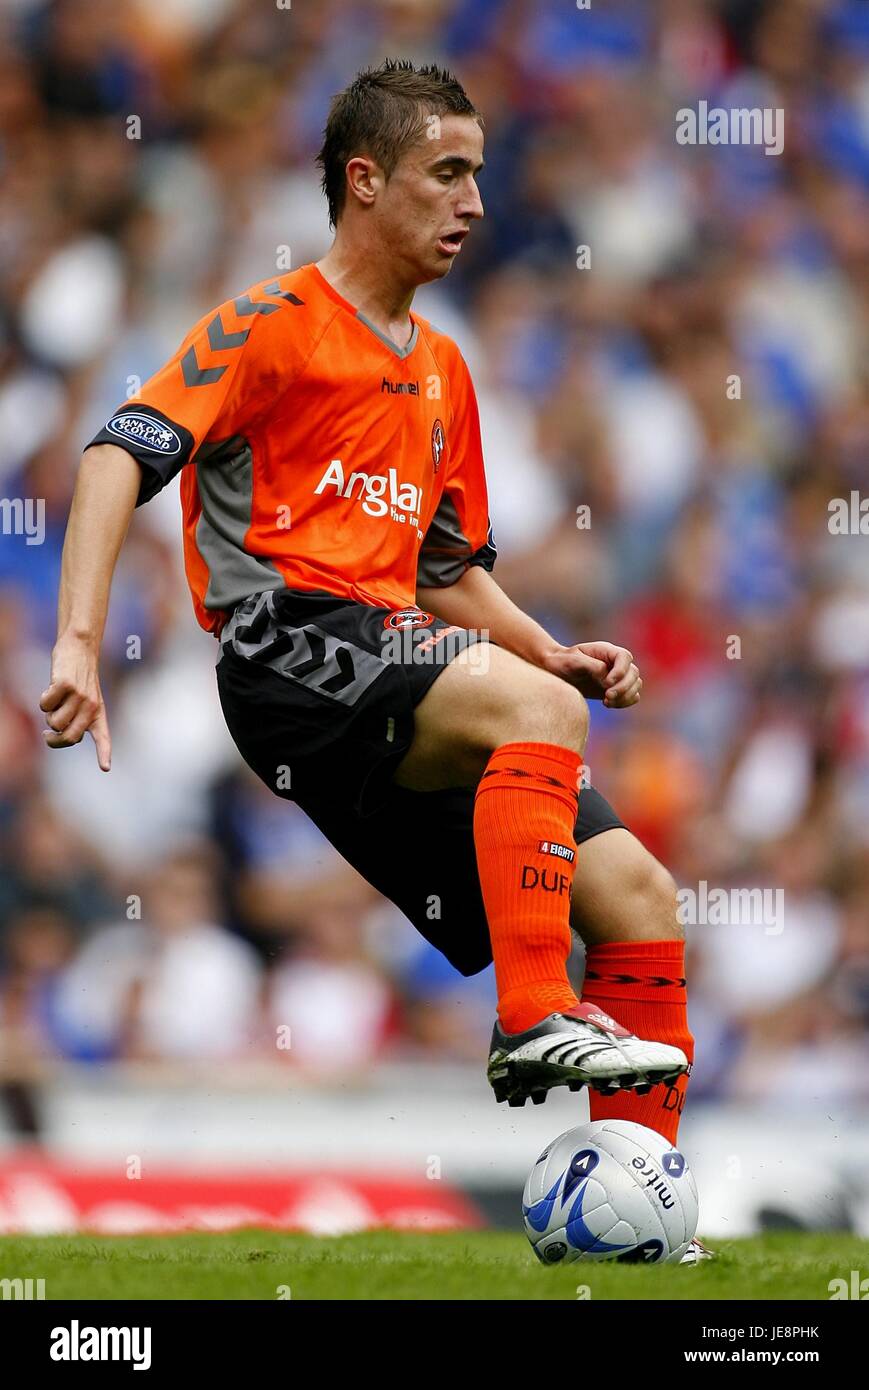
621, 892
477, 705
417, 849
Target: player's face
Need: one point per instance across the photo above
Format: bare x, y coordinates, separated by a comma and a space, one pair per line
431, 199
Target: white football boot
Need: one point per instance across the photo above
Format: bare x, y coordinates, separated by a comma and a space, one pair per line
584, 1047
696, 1252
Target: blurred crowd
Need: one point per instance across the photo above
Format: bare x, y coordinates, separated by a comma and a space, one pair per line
667, 416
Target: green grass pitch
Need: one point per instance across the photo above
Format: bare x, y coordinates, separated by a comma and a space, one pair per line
387, 1265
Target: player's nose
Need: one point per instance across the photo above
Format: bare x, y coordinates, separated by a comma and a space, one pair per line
471, 204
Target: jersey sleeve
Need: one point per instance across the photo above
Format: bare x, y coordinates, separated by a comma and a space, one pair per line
222, 377
460, 532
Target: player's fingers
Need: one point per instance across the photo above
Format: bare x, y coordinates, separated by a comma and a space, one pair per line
635, 694
60, 740
99, 732
623, 664
56, 693
77, 727
626, 683
64, 714
629, 697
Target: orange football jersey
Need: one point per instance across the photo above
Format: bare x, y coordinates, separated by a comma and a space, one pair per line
314, 453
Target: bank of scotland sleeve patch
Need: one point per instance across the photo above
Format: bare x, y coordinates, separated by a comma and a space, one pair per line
159, 445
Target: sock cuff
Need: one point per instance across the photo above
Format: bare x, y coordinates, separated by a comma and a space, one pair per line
637, 970
543, 769
608, 952
550, 762
556, 752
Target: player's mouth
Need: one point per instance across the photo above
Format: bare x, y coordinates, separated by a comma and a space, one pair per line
451, 244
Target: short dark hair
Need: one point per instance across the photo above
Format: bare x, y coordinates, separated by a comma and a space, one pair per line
381, 113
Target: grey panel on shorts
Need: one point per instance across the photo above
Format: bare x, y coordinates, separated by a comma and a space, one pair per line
306, 655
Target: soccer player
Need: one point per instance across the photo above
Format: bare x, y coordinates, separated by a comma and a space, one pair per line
337, 544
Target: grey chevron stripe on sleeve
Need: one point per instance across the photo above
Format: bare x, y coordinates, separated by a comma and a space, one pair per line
220, 340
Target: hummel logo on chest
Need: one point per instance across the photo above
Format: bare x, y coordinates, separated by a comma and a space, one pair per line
399, 388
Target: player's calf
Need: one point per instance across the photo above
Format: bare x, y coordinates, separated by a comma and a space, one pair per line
625, 893
625, 908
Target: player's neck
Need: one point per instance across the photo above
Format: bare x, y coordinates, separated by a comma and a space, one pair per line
371, 289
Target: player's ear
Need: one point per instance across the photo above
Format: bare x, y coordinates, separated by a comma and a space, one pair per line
363, 178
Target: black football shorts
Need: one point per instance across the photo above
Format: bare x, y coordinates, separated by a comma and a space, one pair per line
318, 693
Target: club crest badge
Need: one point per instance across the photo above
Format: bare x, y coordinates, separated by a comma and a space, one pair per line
408, 617
438, 443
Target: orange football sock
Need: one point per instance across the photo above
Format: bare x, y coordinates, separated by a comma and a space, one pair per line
643, 984
524, 819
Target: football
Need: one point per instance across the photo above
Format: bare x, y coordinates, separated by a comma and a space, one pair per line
610, 1190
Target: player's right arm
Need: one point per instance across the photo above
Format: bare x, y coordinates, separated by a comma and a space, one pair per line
105, 496
227, 369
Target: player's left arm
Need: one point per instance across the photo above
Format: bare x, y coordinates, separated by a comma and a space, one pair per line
600, 670
454, 579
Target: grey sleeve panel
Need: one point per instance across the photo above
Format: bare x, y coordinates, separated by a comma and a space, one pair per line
446, 551
225, 485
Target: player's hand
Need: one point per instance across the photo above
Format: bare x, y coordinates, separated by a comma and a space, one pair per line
600, 671
73, 703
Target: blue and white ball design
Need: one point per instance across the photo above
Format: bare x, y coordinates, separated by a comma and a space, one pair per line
610, 1190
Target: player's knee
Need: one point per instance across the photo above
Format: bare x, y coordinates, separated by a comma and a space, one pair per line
517, 703
571, 718
549, 711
